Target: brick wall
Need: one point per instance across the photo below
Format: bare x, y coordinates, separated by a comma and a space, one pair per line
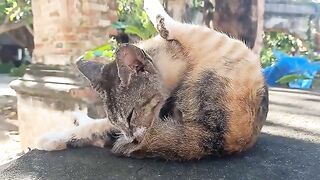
64, 29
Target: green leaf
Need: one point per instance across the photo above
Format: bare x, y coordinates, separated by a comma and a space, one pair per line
16, 10
292, 77
103, 47
108, 54
89, 55
135, 31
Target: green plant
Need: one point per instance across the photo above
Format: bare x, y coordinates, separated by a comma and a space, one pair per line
280, 41
19, 71
15, 9
106, 50
133, 19
15, 14
291, 77
5, 68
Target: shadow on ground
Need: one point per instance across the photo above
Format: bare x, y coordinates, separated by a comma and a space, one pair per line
273, 157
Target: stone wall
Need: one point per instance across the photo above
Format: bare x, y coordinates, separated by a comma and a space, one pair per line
64, 29
288, 16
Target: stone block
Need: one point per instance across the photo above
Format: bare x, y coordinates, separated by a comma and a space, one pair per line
58, 23
99, 7
54, 13
46, 100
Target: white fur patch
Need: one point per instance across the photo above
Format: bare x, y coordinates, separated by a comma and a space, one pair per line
81, 118
52, 142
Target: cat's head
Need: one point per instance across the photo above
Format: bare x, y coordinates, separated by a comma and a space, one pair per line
128, 86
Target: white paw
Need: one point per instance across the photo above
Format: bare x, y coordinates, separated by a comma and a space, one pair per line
154, 8
80, 118
52, 142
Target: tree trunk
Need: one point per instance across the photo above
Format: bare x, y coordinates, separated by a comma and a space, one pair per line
242, 19
258, 45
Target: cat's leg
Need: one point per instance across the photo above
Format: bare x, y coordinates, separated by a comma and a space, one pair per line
94, 133
173, 141
186, 34
80, 118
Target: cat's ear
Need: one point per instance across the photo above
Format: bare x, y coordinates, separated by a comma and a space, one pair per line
90, 69
132, 60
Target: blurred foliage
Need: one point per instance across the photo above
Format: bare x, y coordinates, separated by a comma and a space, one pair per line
197, 3
311, 38
5, 68
288, 44
15, 10
106, 51
18, 71
281, 41
133, 19
9, 68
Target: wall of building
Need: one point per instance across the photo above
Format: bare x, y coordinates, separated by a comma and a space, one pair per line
63, 30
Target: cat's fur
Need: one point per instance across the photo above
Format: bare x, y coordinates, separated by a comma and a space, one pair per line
190, 93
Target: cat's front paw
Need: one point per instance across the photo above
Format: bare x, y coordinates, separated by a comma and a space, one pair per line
164, 33
52, 142
79, 118
159, 18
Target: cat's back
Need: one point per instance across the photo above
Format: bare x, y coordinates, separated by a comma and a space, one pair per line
223, 89
219, 86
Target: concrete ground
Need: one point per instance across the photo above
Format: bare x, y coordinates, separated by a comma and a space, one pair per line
9, 135
5, 89
289, 148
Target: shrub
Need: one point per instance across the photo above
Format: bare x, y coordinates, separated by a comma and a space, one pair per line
18, 71
5, 68
281, 41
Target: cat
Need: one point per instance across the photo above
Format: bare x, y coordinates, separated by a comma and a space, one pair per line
187, 93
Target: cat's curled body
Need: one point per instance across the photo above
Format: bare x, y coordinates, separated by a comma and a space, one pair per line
186, 94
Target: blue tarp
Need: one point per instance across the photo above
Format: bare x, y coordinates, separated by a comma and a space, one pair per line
287, 65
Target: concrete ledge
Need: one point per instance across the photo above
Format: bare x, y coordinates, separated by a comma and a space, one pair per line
273, 157
50, 81
47, 95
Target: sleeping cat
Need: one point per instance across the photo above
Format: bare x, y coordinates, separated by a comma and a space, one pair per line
188, 93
